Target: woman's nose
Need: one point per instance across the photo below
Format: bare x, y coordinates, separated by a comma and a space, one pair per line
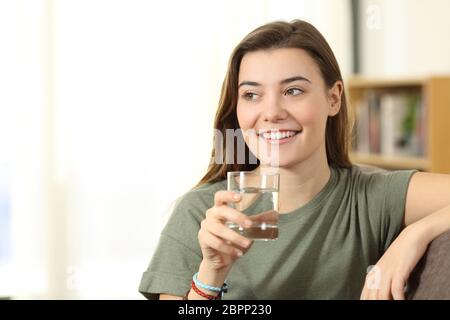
274, 111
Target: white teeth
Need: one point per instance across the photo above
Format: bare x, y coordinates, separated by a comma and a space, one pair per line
278, 135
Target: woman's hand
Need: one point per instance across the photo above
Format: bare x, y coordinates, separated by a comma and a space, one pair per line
220, 245
387, 279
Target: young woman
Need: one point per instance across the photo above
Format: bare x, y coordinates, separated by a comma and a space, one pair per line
336, 219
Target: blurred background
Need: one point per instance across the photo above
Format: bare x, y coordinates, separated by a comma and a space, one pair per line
106, 115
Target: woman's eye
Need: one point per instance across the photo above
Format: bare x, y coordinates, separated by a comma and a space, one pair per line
294, 91
250, 96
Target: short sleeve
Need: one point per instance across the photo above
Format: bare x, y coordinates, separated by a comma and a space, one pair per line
178, 254
170, 269
385, 193
396, 190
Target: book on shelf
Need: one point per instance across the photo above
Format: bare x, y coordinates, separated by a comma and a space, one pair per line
391, 124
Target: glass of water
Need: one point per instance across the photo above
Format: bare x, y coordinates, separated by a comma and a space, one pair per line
259, 201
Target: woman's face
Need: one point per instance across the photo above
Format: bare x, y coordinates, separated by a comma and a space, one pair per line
282, 90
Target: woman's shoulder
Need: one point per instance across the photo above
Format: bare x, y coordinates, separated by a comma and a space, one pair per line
373, 172
189, 209
365, 177
200, 197
206, 191
210, 187
367, 171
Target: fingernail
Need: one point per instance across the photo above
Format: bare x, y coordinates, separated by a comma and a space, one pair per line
248, 223
236, 196
239, 253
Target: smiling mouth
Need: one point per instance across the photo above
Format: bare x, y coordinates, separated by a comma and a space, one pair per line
278, 136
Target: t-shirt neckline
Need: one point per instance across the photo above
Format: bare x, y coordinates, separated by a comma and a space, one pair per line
314, 202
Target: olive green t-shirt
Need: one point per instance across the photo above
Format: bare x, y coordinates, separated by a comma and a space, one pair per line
323, 250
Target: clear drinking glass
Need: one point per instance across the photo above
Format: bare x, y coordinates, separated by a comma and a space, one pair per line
259, 200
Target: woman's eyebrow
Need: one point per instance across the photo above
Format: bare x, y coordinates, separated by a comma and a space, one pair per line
291, 79
285, 81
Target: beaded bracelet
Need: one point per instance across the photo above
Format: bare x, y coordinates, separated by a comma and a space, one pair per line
202, 294
221, 290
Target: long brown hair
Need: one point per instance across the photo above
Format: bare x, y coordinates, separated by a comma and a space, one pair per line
280, 34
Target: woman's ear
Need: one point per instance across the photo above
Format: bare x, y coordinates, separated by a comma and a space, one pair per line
334, 98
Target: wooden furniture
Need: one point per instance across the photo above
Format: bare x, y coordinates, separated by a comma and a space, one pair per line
436, 94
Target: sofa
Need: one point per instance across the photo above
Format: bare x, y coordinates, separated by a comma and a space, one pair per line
431, 277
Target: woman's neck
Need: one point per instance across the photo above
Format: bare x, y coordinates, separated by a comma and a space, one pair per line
300, 183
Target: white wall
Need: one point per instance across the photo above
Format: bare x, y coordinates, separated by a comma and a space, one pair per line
23, 142
119, 124
405, 37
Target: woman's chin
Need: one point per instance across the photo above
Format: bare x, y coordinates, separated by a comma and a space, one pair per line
278, 163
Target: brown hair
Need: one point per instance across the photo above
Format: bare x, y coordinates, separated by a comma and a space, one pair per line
280, 34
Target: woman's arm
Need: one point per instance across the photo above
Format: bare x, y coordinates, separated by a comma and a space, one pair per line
220, 246
163, 296
427, 215
428, 193
206, 274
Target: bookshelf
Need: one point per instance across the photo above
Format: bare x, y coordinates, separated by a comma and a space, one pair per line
432, 122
